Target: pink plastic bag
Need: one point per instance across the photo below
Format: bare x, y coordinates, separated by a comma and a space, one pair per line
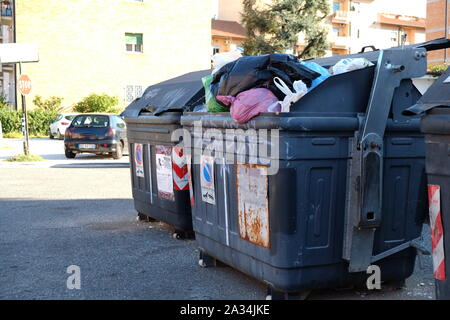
250, 103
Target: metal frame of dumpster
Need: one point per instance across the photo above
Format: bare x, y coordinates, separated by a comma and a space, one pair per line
350, 191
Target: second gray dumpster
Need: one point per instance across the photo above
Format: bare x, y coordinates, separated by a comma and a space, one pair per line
158, 167
436, 126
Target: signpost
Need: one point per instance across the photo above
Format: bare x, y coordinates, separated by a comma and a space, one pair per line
24, 85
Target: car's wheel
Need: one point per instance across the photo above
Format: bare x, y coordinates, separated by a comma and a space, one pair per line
119, 151
51, 136
60, 136
69, 154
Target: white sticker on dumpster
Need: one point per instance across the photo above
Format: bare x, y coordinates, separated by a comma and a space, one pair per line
163, 159
447, 80
207, 179
253, 204
139, 160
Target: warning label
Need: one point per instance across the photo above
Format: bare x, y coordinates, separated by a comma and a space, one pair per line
163, 159
207, 179
139, 160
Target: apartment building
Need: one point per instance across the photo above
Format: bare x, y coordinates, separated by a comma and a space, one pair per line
118, 47
353, 25
438, 26
379, 23
7, 71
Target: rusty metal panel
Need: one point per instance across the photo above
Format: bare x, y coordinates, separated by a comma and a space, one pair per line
253, 204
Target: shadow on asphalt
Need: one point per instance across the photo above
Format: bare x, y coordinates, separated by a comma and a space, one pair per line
91, 165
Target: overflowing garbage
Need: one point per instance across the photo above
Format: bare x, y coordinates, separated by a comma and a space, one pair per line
246, 86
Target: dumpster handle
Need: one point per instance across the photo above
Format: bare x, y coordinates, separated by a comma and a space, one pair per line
363, 49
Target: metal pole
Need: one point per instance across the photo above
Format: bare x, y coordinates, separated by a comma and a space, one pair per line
26, 145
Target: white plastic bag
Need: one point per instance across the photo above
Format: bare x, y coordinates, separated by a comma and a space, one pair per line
222, 58
350, 64
300, 89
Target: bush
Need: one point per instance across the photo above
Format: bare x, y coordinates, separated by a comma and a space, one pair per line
437, 69
97, 103
51, 104
38, 121
10, 119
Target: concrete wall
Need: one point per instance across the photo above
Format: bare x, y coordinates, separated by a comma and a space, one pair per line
82, 44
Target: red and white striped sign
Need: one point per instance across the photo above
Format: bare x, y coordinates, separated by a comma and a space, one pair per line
180, 170
437, 232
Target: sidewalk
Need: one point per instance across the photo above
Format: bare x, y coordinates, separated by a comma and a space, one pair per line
53, 153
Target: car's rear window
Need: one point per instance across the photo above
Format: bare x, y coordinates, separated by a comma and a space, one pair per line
95, 121
70, 117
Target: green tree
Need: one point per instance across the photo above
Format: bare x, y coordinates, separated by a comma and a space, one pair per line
51, 104
276, 27
97, 103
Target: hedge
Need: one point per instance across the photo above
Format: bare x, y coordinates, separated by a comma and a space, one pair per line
38, 120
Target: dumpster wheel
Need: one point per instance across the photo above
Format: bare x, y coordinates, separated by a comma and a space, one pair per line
273, 294
206, 261
182, 235
145, 218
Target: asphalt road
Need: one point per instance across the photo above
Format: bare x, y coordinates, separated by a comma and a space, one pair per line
58, 213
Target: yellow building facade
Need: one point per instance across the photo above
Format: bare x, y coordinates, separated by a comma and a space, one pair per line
118, 47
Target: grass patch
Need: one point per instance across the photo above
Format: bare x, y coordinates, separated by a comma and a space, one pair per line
12, 135
25, 158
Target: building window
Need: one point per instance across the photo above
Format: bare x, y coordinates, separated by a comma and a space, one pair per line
336, 31
336, 6
132, 92
394, 36
216, 49
355, 6
134, 42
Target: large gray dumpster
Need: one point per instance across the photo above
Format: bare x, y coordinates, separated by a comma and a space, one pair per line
350, 191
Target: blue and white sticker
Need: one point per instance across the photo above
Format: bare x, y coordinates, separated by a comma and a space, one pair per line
207, 180
139, 159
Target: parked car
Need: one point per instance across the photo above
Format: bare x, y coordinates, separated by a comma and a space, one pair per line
96, 133
58, 127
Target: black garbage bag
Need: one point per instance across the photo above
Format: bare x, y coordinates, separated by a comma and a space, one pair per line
258, 72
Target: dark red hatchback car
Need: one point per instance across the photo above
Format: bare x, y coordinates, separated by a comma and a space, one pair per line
96, 133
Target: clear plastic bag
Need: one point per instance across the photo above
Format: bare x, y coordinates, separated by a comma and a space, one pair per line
222, 58
350, 64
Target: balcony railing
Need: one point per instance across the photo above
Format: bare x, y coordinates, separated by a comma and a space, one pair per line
340, 16
340, 42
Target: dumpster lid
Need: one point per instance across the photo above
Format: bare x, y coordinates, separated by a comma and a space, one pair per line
438, 95
173, 94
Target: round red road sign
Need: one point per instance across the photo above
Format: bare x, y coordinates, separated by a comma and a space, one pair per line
24, 84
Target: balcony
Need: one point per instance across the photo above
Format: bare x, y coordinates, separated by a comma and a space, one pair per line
341, 42
340, 16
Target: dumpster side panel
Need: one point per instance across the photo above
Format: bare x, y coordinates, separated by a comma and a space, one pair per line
438, 171
306, 201
147, 200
